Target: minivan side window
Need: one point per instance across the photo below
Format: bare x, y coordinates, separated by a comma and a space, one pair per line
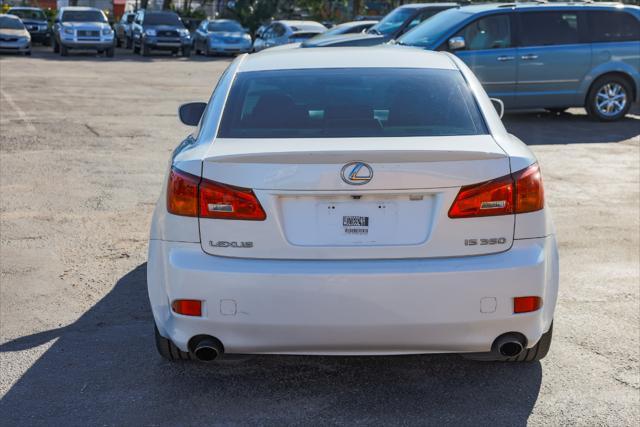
549, 28
613, 26
491, 32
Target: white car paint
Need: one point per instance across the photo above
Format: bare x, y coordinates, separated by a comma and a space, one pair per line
302, 290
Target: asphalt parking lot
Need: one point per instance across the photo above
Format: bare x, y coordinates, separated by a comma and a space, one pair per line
83, 146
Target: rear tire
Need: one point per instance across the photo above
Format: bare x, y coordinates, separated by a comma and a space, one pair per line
168, 350
186, 51
136, 48
145, 50
118, 42
608, 87
128, 44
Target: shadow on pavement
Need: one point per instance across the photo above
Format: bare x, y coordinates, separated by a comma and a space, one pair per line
104, 370
542, 128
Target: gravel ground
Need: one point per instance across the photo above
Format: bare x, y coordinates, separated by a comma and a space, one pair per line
84, 142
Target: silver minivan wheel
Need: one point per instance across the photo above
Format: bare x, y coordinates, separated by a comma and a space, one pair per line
609, 98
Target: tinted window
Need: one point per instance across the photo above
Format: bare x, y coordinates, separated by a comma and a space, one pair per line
225, 26
278, 30
362, 102
162, 19
34, 14
431, 30
492, 32
548, 28
10, 23
83, 16
613, 27
393, 21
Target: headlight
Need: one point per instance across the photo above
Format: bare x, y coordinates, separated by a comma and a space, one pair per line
183, 32
106, 31
150, 32
43, 27
247, 37
68, 31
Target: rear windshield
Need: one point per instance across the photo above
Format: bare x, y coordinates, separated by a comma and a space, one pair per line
162, 19
83, 16
35, 14
7, 23
360, 102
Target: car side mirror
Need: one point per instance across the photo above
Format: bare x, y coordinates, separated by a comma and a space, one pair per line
457, 43
498, 105
191, 113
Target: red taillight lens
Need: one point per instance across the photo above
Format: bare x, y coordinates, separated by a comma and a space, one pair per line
182, 193
189, 195
526, 304
529, 189
517, 193
489, 198
226, 202
187, 307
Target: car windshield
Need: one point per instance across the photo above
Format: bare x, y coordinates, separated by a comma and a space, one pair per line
392, 22
225, 27
431, 30
162, 19
7, 23
83, 16
34, 14
357, 102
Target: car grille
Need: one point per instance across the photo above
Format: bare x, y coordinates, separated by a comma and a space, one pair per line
88, 33
8, 39
167, 33
232, 39
33, 28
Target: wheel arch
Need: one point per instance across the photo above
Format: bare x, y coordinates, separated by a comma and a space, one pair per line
633, 83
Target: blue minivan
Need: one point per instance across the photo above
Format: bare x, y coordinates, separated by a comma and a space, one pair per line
537, 55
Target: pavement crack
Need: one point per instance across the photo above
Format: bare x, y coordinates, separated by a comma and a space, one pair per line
92, 130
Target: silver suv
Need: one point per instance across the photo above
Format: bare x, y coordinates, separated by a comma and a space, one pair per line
82, 28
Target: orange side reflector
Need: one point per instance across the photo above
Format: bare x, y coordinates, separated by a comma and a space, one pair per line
187, 307
526, 304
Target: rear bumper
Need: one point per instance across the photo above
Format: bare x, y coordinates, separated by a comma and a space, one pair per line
353, 307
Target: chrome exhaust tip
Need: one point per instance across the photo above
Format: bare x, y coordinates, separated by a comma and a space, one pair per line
510, 344
207, 349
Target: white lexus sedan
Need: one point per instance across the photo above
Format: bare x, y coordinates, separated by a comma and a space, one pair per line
351, 201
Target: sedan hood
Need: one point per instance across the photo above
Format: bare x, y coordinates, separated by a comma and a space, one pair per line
363, 39
13, 33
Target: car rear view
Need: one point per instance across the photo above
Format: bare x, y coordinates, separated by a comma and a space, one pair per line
351, 201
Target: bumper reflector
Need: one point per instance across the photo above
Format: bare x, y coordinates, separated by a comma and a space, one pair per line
187, 307
526, 304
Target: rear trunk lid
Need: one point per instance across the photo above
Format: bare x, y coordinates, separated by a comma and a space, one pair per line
313, 212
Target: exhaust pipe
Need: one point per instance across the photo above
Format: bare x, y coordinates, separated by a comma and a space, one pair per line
510, 344
207, 349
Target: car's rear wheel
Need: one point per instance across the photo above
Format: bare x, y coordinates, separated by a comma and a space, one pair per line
168, 350
128, 43
186, 51
118, 42
136, 48
145, 50
609, 98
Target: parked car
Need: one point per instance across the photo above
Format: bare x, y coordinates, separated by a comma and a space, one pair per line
279, 33
394, 24
552, 56
123, 30
14, 37
269, 238
84, 28
160, 31
221, 36
354, 27
36, 23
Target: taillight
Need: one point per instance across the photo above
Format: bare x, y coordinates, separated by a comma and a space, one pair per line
519, 192
182, 193
187, 307
189, 195
226, 202
526, 304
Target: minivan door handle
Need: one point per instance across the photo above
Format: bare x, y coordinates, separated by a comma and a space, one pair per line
505, 58
529, 57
